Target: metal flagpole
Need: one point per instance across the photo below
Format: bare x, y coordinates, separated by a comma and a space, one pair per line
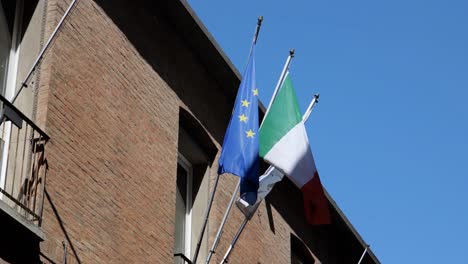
247, 218
223, 222
228, 210
197, 249
207, 214
234, 241
280, 81
363, 254
311, 106
257, 30
41, 53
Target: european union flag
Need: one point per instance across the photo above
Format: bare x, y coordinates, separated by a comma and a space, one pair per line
239, 155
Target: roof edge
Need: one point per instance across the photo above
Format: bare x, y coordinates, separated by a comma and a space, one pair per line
210, 38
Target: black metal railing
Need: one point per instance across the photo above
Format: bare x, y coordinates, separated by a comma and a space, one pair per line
22, 163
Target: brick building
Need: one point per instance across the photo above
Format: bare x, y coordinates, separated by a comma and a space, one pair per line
109, 153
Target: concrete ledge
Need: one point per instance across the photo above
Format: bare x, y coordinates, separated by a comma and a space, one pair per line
10, 212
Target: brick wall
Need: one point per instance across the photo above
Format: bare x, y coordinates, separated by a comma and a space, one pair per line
109, 97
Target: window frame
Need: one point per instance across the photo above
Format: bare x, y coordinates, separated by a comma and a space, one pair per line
188, 167
11, 79
12, 71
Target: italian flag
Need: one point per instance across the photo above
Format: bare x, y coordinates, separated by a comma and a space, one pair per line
284, 144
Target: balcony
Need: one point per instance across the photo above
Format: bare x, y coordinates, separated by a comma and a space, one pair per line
22, 168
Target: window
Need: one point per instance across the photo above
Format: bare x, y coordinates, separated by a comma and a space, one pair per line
5, 45
183, 219
10, 12
196, 154
21, 24
9, 31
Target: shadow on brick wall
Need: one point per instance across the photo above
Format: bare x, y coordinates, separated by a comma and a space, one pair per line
177, 51
69, 241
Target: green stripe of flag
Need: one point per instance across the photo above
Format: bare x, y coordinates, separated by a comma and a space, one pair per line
283, 115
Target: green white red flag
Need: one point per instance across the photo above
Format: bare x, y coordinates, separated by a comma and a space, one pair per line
285, 145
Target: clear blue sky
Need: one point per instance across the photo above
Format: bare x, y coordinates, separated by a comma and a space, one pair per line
390, 134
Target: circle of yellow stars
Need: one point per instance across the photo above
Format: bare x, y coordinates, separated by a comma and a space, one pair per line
244, 118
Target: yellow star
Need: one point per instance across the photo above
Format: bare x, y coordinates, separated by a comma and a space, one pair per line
255, 91
245, 103
250, 133
243, 118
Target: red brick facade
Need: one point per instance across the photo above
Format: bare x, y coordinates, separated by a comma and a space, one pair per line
110, 91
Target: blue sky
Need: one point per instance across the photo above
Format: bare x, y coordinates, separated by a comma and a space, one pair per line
390, 133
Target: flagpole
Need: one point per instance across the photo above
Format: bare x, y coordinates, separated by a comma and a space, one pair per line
207, 214
41, 53
280, 81
223, 222
247, 218
257, 30
363, 254
202, 233
234, 241
234, 194
228, 210
311, 106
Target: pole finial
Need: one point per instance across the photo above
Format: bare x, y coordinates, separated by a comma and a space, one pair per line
259, 21
291, 52
317, 96
257, 30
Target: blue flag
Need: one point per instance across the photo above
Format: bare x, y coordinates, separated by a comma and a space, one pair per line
239, 155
